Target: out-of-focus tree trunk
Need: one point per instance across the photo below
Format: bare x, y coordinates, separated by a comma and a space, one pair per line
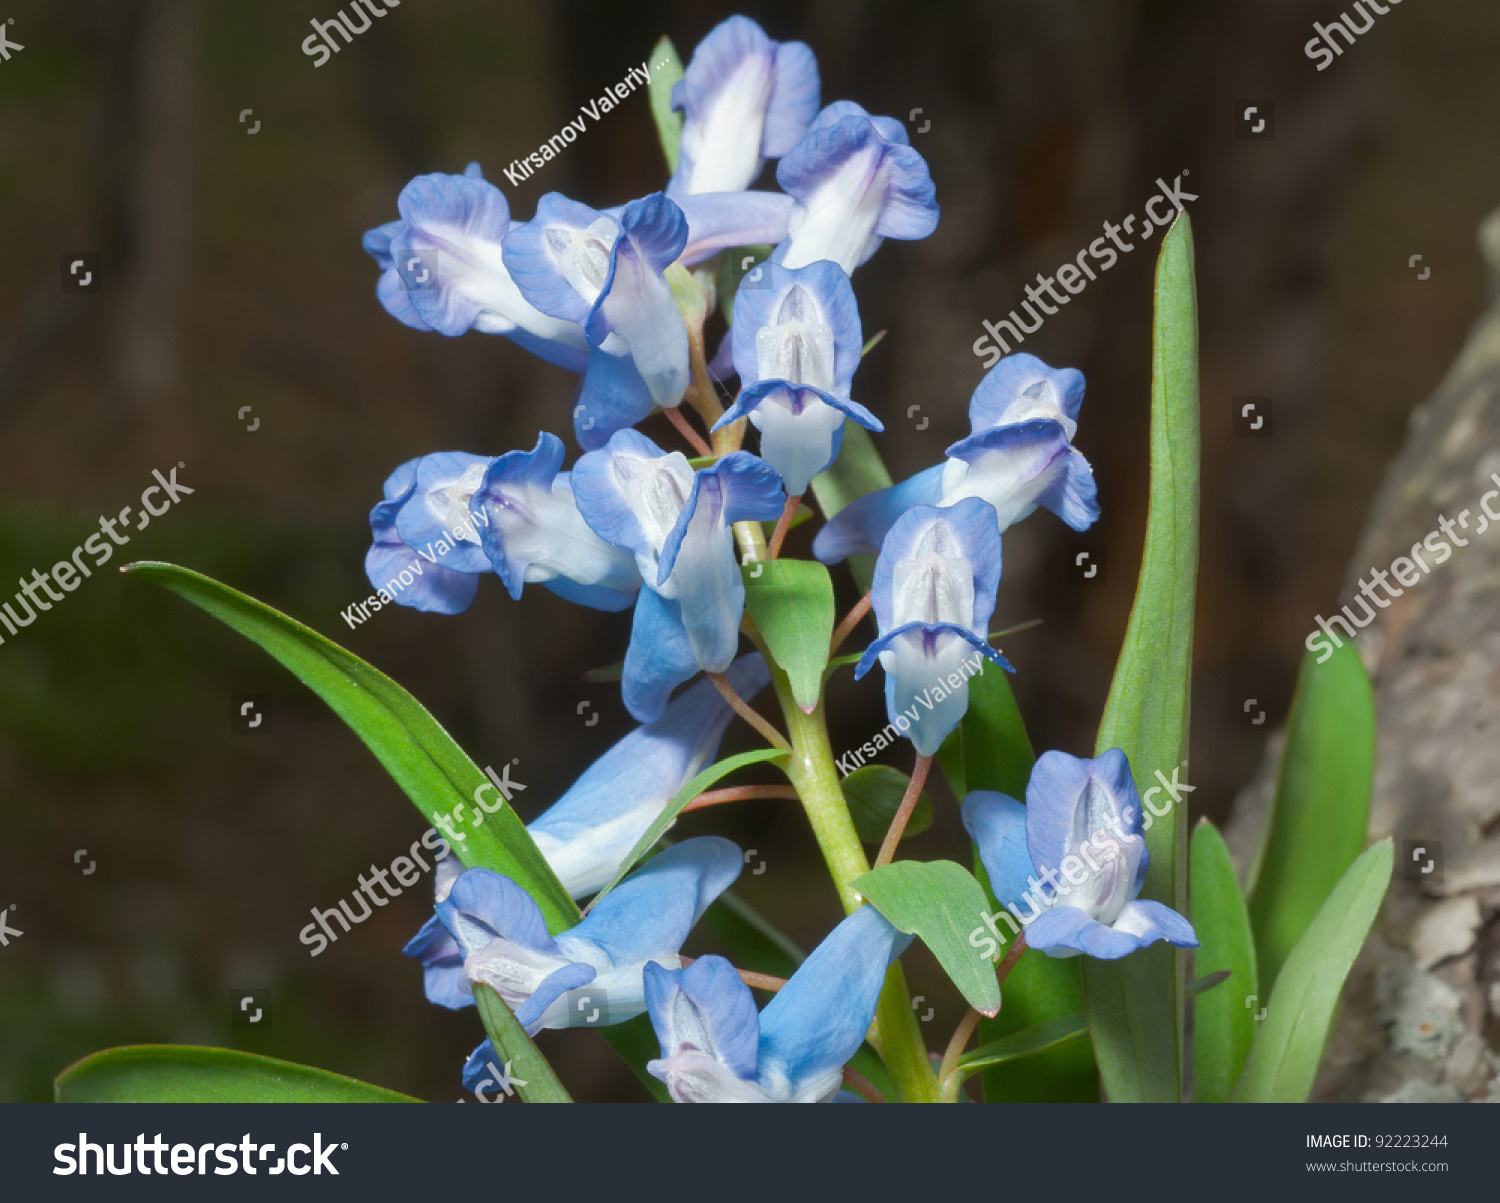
1424, 997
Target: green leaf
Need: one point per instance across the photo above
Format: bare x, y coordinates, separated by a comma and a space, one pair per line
686, 794
1065, 1029
1322, 803
411, 745
1223, 1023
857, 471
516, 1056
940, 903
1136, 1005
182, 1073
665, 70
1284, 1058
874, 794
791, 602
996, 749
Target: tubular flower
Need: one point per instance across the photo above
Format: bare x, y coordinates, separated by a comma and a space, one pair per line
715, 1048
797, 343
1082, 819
744, 99
855, 180
500, 940
677, 524
1019, 456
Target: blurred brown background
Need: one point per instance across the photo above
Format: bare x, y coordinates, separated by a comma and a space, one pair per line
233, 277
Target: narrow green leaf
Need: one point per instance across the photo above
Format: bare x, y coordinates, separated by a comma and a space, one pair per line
874, 794
791, 602
1223, 1020
1137, 1005
1201, 985
1284, 1058
526, 1070
413, 747
857, 471
665, 69
1026, 1043
1322, 803
182, 1073
686, 794
940, 903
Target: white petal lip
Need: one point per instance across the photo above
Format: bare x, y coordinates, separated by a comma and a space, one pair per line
725, 144
838, 220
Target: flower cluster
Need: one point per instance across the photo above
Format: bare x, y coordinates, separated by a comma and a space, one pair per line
621, 296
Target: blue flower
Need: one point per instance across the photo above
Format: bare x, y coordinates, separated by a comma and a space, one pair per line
716, 1049
677, 523
587, 833
933, 594
856, 180
498, 937
797, 342
424, 554
1019, 456
1082, 819
744, 99
604, 273
441, 268
530, 530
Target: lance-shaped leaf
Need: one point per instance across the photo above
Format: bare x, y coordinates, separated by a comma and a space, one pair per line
1223, 1018
1284, 1059
527, 1069
791, 602
181, 1073
941, 904
874, 794
419, 754
686, 794
1321, 807
1136, 1006
1026, 1043
666, 70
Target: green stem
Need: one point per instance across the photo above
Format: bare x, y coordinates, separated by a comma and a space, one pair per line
811, 769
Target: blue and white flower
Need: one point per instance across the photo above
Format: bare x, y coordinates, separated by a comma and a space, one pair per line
499, 938
744, 99
1019, 456
797, 343
587, 833
715, 1048
530, 530
433, 565
604, 273
441, 268
1082, 820
856, 181
933, 593
677, 523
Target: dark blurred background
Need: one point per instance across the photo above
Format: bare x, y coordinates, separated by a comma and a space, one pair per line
233, 277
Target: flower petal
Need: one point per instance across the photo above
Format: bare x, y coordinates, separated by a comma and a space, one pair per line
443, 976
434, 519
659, 659
785, 319
997, 825
705, 1008
649, 914
922, 701
612, 397
484, 905
720, 220
939, 566
818, 1020
632, 493
1021, 388
1017, 468
861, 526
395, 570
589, 831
